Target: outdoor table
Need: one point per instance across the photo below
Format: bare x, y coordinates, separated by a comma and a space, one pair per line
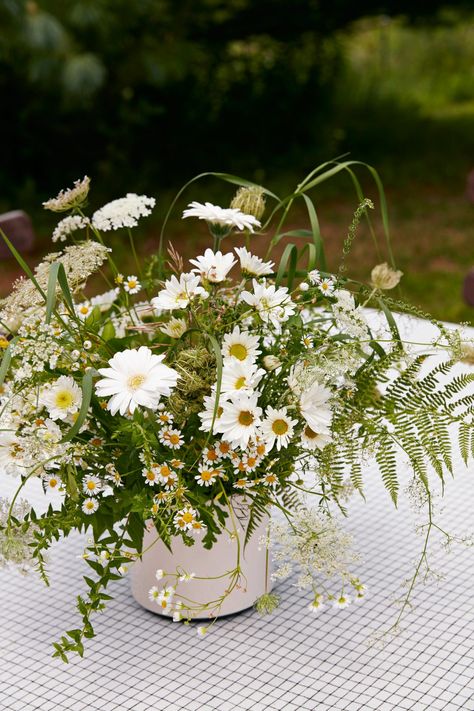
292, 660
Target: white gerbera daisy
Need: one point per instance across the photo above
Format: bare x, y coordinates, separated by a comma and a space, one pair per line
207, 415
123, 212
90, 506
277, 427
222, 217
314, 407
84, 309
63, 398
91, 485
240, 346
213, 266
135, 377
239, 376
174, 328
252, 265
274, 304
132, 285
240, 419
314, 440
178, 294
105, 301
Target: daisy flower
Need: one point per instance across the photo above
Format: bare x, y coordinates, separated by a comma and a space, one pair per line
240, 377
307, 341
135, 377
84, 309
269, 480
242, 483
207, 415
165, 598
186, 577
221, 217
240, 419
342, 601
317, 605
314, 276
186, 518
124, 212
202, 631
314, 440
70, 198
326, 286
171, 481
174, 328
277, 427
273, 304
132, 285
91, 485
240, 346
206, 475
105, 301
90, 506
150, 476
177, 463
164, 417
314, 407
251, 460
213, 266
252, 265
223, 448
211, 455
153, 594
63, 398
171, 438
52, 481
160, 574
177, 294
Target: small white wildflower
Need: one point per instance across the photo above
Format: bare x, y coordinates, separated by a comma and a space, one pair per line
213, 266
91, 485
326, 286
252, 265
132, 285
153, 594
124, 212
87, 345
68, 225
202, 631
342, 601
90, 506
62, 398
186, 577
84, 309
159, 574
303, 286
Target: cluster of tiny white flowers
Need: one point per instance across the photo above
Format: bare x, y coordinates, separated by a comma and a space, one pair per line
124, 212
68, 225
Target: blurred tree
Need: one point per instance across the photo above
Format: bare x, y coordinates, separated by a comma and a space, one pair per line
144, 92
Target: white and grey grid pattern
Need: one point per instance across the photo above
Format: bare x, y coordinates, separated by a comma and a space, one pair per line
292, 661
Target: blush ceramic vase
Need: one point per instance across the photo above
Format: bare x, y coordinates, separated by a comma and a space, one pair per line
214, 591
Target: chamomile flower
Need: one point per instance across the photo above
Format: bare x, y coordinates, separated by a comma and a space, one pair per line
240, 419
171, 438
270, 480
185, 519
90, 506
91, 485
210, 414
202, 631
135, 377
315, 408
240, 346
213, 266
326, 286
171, 481
307, 341
132, 285
174, 328
177, 463
273, 304
151, 476
317, 604
164, 417
242, 483
52, 481
314, 440
153, 594
252, 265
278, 427
314, 276
62, 398
240, 377
211, 455
186, 577
223, 448
342, 601
177, 294
84, 309
159, 574
221, 217
165, 598
206, 475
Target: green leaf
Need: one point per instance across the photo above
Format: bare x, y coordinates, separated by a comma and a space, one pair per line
108, 332
86, 399
316, 234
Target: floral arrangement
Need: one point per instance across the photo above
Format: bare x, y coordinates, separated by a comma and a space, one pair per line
181, 387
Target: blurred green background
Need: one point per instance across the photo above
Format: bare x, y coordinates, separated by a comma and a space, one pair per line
143, 95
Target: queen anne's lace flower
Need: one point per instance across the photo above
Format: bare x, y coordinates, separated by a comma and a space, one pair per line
70, 198
69, 224
124, 212
224, 217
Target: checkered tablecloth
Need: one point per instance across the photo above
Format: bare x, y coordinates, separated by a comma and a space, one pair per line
293, 660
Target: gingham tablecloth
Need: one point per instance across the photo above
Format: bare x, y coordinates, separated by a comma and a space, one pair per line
292, 660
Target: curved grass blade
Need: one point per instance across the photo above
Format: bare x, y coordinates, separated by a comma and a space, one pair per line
86, 400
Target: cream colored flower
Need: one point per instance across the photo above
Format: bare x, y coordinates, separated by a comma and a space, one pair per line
384, 277
72, 197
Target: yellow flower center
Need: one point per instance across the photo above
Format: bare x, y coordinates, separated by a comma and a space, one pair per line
165, 471
91, 485
245, 418
174, 438
89, 505
212, 455
150, 476
187, 517
84, 309
64, 399
240, 382
132, 283
135, 381
206, 475
239, 351
3, 342
280, 427
53, 483
309, 433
